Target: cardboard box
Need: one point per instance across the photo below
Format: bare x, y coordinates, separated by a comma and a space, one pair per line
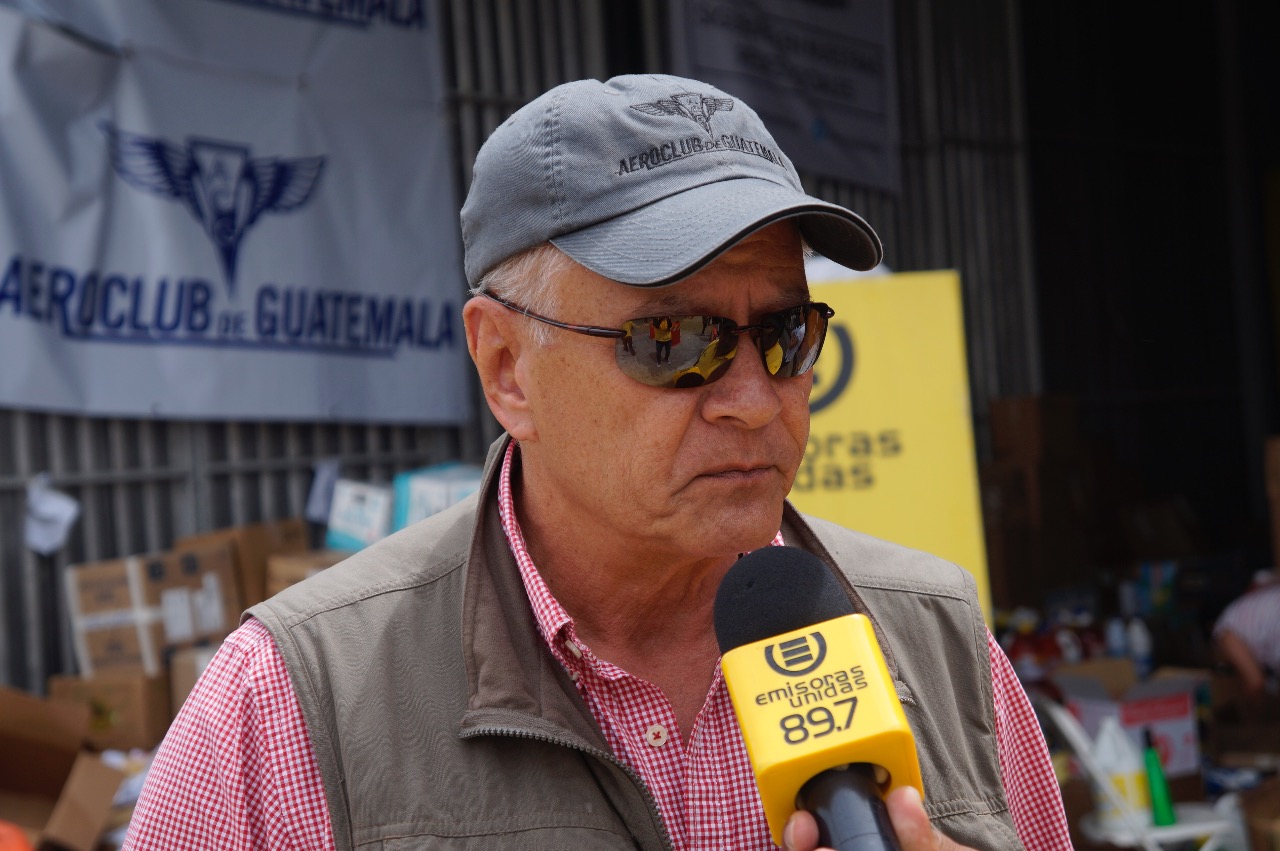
1247, 744
359, 515
285, 569
127, 613
185, 669
54, 790
1165, 703
1261, 807
1243, 732
252, 545
126, 710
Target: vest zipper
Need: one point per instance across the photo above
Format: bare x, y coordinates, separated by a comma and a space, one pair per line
597, 753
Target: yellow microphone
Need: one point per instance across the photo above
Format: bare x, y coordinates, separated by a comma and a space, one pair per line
822, 722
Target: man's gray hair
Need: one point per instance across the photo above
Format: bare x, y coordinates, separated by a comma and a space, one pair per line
527, 280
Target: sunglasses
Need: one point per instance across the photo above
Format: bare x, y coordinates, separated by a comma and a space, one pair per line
697, 349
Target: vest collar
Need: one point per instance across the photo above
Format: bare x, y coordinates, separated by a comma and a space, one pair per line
515, 685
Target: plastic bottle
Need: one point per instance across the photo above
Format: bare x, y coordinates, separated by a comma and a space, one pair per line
1127, 598
1070, 648
1116, 639
1162, 812
1140, 647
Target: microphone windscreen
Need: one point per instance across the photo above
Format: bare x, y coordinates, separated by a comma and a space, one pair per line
774, 590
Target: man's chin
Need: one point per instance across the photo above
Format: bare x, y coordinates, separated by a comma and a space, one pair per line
741, 533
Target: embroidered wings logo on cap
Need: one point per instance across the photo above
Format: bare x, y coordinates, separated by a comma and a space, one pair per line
218, 182
695, 107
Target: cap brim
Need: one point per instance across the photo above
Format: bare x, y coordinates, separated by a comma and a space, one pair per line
676, 236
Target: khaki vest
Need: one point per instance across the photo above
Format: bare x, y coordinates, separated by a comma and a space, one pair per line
440, 721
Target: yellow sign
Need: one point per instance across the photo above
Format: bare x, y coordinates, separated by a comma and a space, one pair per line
891, 443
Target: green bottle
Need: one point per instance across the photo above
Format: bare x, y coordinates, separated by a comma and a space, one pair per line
1161, 806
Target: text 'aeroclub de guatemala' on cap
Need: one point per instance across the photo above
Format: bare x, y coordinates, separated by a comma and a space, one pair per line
643, 179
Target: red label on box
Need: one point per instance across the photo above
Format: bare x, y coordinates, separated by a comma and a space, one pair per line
1152, 709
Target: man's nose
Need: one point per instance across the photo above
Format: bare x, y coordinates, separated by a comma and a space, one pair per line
746, 393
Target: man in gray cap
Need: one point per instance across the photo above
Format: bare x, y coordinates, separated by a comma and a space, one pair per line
537, 668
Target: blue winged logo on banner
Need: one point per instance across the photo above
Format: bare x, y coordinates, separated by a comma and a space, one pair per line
220, 183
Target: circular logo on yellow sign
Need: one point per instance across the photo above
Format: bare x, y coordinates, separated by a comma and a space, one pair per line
838, 363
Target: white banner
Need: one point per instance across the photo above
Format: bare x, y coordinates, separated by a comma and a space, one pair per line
819, 72
228, 209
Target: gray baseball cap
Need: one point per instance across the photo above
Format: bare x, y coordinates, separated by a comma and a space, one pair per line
643, 179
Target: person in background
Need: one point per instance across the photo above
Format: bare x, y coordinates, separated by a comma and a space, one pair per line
536, 667
1247, 638
628, 338
661, 329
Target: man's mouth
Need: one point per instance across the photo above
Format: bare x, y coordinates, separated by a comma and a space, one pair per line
743, 471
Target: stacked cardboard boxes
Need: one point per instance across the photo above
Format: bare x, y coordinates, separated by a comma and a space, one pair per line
252, 545
128, 618
146, 626
126, 710
185, 667
54, 789
128, 614
285, 569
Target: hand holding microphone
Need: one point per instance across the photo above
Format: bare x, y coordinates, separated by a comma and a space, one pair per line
822, 722
906, 813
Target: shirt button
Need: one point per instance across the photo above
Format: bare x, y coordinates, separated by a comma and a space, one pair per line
656, 736
573, 649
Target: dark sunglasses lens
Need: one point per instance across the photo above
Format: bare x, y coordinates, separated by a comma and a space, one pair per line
800, 335
689, 351
677, 351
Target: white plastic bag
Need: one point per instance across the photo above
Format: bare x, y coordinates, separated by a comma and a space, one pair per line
1121, 762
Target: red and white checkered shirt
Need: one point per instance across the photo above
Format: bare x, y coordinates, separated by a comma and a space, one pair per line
237, 769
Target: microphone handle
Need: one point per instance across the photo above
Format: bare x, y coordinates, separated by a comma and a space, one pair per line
850, 813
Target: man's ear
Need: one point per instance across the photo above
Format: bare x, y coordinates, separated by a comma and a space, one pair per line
496, 347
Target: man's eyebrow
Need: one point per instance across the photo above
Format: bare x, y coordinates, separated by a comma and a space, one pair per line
662, 304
